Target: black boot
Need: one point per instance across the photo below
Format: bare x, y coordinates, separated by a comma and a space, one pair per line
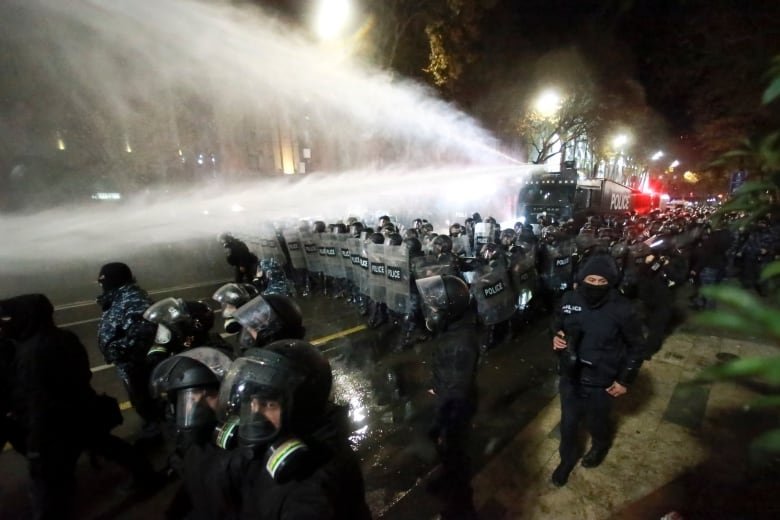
561, 474
594, 457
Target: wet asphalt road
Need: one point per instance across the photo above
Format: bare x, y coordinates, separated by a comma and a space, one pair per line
386, 391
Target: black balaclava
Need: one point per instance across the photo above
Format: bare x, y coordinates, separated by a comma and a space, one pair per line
600, 265
114, 275
23, 316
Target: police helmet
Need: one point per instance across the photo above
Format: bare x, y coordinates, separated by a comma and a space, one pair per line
340, 228
355, 229
456, 230
394, 239
319, 226
441, 244
271, 317
507, 237
292, 373
377, 238
444, 300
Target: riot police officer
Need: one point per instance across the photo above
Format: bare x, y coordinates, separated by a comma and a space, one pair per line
445, 300
181, 325
268, 318
294, 459
189, 384
599, 340
231, 296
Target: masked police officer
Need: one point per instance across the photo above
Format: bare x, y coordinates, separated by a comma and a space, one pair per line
599, 340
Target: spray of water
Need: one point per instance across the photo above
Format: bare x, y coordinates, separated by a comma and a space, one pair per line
128, 65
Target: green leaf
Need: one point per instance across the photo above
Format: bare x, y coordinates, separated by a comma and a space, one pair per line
768, 442
767, 401
767, 369
771, 270
771, 92
724, 320
733, 369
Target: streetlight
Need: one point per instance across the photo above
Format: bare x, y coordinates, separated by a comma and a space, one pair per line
619, 141
331, 18
548, 103
674, 164
657, 155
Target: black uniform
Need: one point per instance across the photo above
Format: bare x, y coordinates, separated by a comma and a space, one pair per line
331, 486
606, 336
54, 411
454, 383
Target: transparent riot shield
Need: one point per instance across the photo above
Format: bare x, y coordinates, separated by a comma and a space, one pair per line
324, 242
360, 263
335, 255
272, 249
376, 273
346, 257
295, 248
524, 278
332, 255
494, 295
429, 265
557, 266
483, 234
311, 248
397, 270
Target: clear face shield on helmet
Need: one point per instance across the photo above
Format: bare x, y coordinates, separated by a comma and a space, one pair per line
258, 318
195, 385
193, 408
231, 296
165, 314
256, 389
433, 296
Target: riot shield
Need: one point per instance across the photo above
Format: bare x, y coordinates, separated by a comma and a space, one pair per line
346, 256
483, 234
360, 264
334, 255
429, 265
524, 278
295, 247
272, 249
397, 270
495, 298
376, 273
325, 242
311, 247
557, 266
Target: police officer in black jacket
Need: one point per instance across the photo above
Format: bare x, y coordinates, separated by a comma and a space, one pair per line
599, 340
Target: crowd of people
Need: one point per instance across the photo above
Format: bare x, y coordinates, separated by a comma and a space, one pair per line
255, 432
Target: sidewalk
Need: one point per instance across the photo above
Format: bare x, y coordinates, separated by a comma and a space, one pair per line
678, 448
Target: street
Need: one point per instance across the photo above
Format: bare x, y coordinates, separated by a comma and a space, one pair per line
386, 392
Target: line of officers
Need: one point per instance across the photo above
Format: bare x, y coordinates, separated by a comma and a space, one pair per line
512, 273
256, 434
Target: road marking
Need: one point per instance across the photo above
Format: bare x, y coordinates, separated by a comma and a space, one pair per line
126, 405
336, 335
76, 305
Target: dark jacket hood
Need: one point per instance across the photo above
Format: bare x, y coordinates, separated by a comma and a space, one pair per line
25, 315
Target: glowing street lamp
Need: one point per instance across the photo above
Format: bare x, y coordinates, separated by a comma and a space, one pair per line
331, 18
674, 164
657, 155
619, 141
548, 103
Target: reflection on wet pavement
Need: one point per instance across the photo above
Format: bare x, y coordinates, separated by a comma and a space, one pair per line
391, 410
